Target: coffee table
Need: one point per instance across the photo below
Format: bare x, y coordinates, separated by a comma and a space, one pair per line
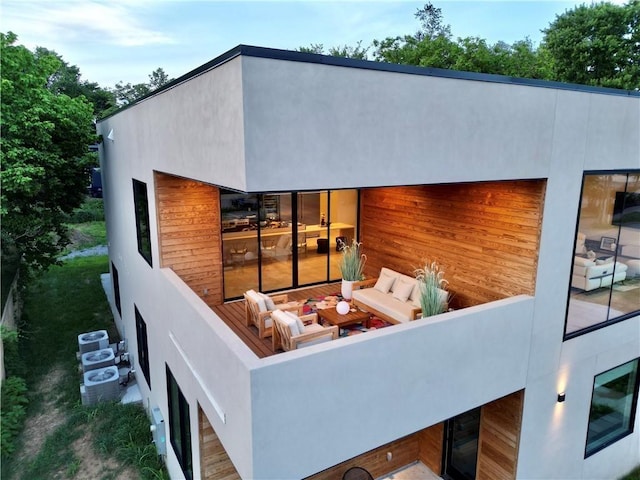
332, 316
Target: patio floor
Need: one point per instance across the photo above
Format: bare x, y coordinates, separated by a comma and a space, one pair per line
232, 313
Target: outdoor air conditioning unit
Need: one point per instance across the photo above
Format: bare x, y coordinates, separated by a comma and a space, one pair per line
98, 359
100, 385
90, 341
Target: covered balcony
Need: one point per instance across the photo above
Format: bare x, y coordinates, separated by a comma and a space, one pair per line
486, 235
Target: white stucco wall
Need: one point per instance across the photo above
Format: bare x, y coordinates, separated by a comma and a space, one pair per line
258, 124
325, 404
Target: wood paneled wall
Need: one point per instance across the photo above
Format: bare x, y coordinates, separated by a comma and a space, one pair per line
499, 440
189, 234
423, 445
485, 235
404, 451
430, 442
215, 464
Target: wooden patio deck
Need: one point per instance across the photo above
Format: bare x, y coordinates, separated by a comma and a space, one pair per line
232, 313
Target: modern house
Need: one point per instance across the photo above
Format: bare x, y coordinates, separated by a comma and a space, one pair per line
241, 174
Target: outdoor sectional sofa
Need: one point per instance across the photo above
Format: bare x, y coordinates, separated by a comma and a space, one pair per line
392, 296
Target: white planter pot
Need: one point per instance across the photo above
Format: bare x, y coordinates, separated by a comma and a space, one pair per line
346, 289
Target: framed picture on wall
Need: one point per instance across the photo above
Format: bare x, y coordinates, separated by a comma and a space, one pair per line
608, 243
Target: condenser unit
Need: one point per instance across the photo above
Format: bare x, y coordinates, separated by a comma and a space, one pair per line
90, 341
100, 385
98, 359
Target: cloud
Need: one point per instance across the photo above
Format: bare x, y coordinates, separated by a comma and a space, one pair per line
113, 22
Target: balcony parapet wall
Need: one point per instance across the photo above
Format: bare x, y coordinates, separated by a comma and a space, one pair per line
378, 386
386, 384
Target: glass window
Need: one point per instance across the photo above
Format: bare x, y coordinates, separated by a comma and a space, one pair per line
143, 346
265, 249
605, 280
116, 288
179, 425
141, 205
613, 404
278, 242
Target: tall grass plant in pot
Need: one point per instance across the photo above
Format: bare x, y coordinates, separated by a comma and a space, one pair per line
351, 266
434, 297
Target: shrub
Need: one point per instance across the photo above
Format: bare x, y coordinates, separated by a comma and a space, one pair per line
431, 281
12, 412
352, 262
13, 363
90, 211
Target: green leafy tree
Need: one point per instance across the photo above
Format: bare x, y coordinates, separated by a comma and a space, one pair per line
45, 159
431, 23
68, 80
158, 78
596, 44
128, 93
359, 52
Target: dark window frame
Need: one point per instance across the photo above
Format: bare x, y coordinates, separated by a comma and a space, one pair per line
143, 346
612, 321
116, 288
180, 433
294, 196
143, 223
630, 420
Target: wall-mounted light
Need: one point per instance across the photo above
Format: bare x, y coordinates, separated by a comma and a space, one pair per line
110, 136
561, 397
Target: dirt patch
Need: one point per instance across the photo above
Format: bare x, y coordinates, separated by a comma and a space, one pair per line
40, 426
92, 466
88, 464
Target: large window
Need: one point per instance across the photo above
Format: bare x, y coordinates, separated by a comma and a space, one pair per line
179, 426
141, 205
605, 280
276, 241
143, 346
613, 406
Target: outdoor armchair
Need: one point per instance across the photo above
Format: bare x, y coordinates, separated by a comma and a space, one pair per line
259, 307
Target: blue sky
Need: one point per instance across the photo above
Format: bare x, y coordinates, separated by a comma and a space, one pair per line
126, 40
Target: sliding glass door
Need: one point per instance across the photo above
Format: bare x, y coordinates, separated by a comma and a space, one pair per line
462, 434
277, 241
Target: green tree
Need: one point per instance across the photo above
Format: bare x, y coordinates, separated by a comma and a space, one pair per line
128, 93
158, 78
596, 44
345, 51
44, 148
68, 80
431, 23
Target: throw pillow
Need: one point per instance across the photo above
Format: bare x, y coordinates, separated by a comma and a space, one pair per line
268, 301
604, 261
583, 262
282, 317
262, 307
298, 321
402, 289
384, 283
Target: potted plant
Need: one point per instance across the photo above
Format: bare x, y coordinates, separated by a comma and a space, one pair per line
351, 266
434, 297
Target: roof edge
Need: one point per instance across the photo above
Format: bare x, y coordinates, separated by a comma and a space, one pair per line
294, 56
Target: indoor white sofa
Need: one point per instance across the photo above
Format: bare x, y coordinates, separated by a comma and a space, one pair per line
392, 296
590, 274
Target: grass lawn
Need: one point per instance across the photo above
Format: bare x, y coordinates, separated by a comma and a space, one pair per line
87, 235
64, 302
633, 474
70, 438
